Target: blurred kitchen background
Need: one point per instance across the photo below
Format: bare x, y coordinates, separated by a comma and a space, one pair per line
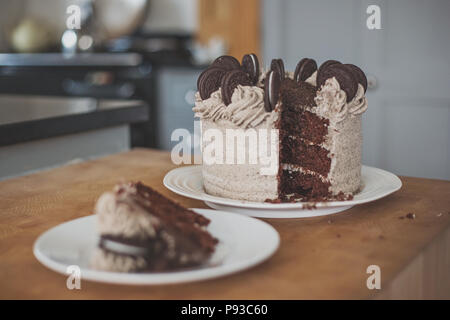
127, 78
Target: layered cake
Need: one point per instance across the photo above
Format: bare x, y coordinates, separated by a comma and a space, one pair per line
142, 231
307, 122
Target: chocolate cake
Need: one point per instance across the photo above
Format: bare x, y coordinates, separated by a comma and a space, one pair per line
315, 114
143, 231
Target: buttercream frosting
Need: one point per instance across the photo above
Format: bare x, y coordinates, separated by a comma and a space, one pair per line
246, 109
331, 101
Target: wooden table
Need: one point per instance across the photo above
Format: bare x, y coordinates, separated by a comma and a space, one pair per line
323, 257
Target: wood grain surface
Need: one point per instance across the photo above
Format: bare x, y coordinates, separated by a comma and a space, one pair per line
322, 257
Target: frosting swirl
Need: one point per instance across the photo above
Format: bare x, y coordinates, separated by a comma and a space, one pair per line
312, 79
358, 105
212, 108
245, 110
331, 101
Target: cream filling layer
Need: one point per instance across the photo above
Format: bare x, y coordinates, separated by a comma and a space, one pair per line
298, 168
122, 248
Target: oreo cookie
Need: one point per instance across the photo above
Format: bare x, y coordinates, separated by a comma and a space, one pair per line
278, 65
328, 63
305, 68
226, 63
250, 65
359, 75
209, 81
230, 81
343, 75
325, 65
200, 77
271, 90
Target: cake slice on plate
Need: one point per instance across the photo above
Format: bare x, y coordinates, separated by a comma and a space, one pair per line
143, 231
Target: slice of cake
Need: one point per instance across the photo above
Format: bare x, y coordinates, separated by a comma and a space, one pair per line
141, 230
315, 113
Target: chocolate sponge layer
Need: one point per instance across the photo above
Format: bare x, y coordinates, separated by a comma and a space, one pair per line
302, 134
308, 156
303, 185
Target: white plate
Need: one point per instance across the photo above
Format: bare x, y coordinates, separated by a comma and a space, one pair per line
73, 242
187, 181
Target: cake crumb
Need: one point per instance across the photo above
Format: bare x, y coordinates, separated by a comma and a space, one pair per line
310, 206
411, 215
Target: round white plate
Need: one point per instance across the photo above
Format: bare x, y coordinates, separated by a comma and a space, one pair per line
73, 242
187, 181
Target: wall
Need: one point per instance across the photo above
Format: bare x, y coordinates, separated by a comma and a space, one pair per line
9, 15
172, 15
406, 128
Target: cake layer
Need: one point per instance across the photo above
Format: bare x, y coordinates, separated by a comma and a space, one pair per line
168, 250
311, 157
297, 117
297, 94
304, 124
299, 185
302, 136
